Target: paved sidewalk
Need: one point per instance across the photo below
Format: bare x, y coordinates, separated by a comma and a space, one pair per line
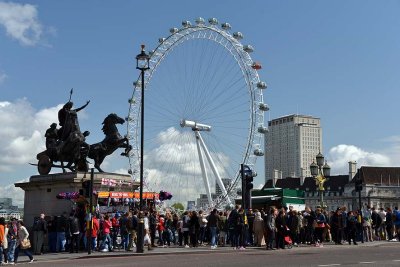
179, 250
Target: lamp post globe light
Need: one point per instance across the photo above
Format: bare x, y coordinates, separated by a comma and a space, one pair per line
142, 64
320, 171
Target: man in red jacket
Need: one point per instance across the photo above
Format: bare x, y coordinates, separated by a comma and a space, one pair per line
95, 230
106, 225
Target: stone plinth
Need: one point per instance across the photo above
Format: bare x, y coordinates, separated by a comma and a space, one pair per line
41, 191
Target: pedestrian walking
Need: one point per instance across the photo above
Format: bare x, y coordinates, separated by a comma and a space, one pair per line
23, 243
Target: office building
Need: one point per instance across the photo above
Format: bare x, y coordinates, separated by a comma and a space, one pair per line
291, 145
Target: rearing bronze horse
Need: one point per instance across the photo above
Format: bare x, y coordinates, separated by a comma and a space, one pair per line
111, 142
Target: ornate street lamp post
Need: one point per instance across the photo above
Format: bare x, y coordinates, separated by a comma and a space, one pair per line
319, 171
142, 64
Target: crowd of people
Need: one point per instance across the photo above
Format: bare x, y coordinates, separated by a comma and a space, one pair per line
275, 229
14, 238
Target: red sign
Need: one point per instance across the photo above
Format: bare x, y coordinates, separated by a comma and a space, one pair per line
121, 194
112, 194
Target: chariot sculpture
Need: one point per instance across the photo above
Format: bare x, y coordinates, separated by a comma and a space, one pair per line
67, 145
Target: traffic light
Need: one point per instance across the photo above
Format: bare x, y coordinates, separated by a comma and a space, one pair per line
358, 184
86, 188
249, 175
249, 181
248, 178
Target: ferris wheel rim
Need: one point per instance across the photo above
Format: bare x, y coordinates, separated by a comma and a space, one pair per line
244, 61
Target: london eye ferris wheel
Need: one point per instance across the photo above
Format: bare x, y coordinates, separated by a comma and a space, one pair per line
204, 113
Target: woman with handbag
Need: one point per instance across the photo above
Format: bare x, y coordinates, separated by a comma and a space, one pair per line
23, 243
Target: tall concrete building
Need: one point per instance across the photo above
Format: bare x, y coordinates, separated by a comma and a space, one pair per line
291, 146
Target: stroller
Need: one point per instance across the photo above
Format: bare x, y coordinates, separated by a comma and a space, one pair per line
288, 241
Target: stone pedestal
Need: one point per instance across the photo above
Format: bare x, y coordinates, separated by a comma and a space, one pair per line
41, 191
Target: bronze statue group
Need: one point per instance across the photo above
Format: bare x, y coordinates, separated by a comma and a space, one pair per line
67, 144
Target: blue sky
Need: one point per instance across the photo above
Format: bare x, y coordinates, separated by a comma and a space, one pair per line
337, 60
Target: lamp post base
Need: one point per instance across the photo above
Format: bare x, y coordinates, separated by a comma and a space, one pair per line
140, 237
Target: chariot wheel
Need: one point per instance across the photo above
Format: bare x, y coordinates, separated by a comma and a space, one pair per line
44, 164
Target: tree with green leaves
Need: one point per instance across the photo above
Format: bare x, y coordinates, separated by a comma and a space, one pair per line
178, 206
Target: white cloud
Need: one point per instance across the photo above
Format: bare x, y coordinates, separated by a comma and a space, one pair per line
340, 156
22, 132
21, 22
16, 193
